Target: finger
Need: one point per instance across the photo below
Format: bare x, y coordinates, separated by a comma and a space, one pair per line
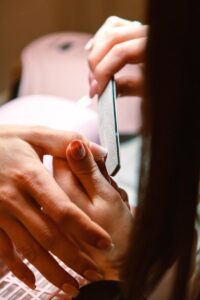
129, 52
112, 21
103, 170
49, 141
122, 192
85, 168
112, 37
44, 231
69, 183
45, 140
130, 85
57, 205
14, 263
38, 256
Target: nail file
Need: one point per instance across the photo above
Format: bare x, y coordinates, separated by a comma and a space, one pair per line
108, 128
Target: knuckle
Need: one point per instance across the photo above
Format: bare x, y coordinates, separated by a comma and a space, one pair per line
48, 240
110, 33
79, 262
118, 51
123, 194
77, 136
91, 171
73, 262
93, 174
65, 215
26, 174
7, 196
28, 252
112, 20
101, 72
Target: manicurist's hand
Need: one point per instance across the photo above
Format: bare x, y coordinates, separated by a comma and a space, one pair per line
37, 218
106, 204
117, 43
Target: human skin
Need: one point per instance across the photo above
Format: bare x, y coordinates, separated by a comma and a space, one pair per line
118, 42
37, 218
100, 198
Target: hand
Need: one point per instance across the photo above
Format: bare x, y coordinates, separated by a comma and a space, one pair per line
37, 218
81, 178
117, 43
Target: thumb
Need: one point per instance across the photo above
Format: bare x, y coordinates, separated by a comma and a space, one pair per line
84, 167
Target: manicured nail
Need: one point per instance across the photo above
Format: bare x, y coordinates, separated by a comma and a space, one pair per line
105, 245
98, 151
30, 284
92, 275
93, 88
77, 149
136, 23
70, 290
88, 46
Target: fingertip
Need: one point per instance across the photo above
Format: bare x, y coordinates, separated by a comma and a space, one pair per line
28, 277
29, 283
70, 290
89, 45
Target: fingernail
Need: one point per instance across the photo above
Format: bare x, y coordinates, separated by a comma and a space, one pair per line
77, 149
105, 245
88, 46
92, 275
70, 290
30, 284
98, 151
93, 88
136, 23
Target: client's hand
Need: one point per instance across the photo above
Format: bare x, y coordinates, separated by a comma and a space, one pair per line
81, 178
37, 218
117, 43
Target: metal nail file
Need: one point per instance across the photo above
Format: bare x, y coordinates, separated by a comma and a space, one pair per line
108, 128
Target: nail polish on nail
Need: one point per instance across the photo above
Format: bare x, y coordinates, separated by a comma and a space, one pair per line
93, 88
88, 45
92, 275
105, 245
98, 151
78, 151
70, 290
30, 284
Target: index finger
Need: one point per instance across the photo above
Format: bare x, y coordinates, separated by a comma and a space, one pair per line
104, 42
46, 140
